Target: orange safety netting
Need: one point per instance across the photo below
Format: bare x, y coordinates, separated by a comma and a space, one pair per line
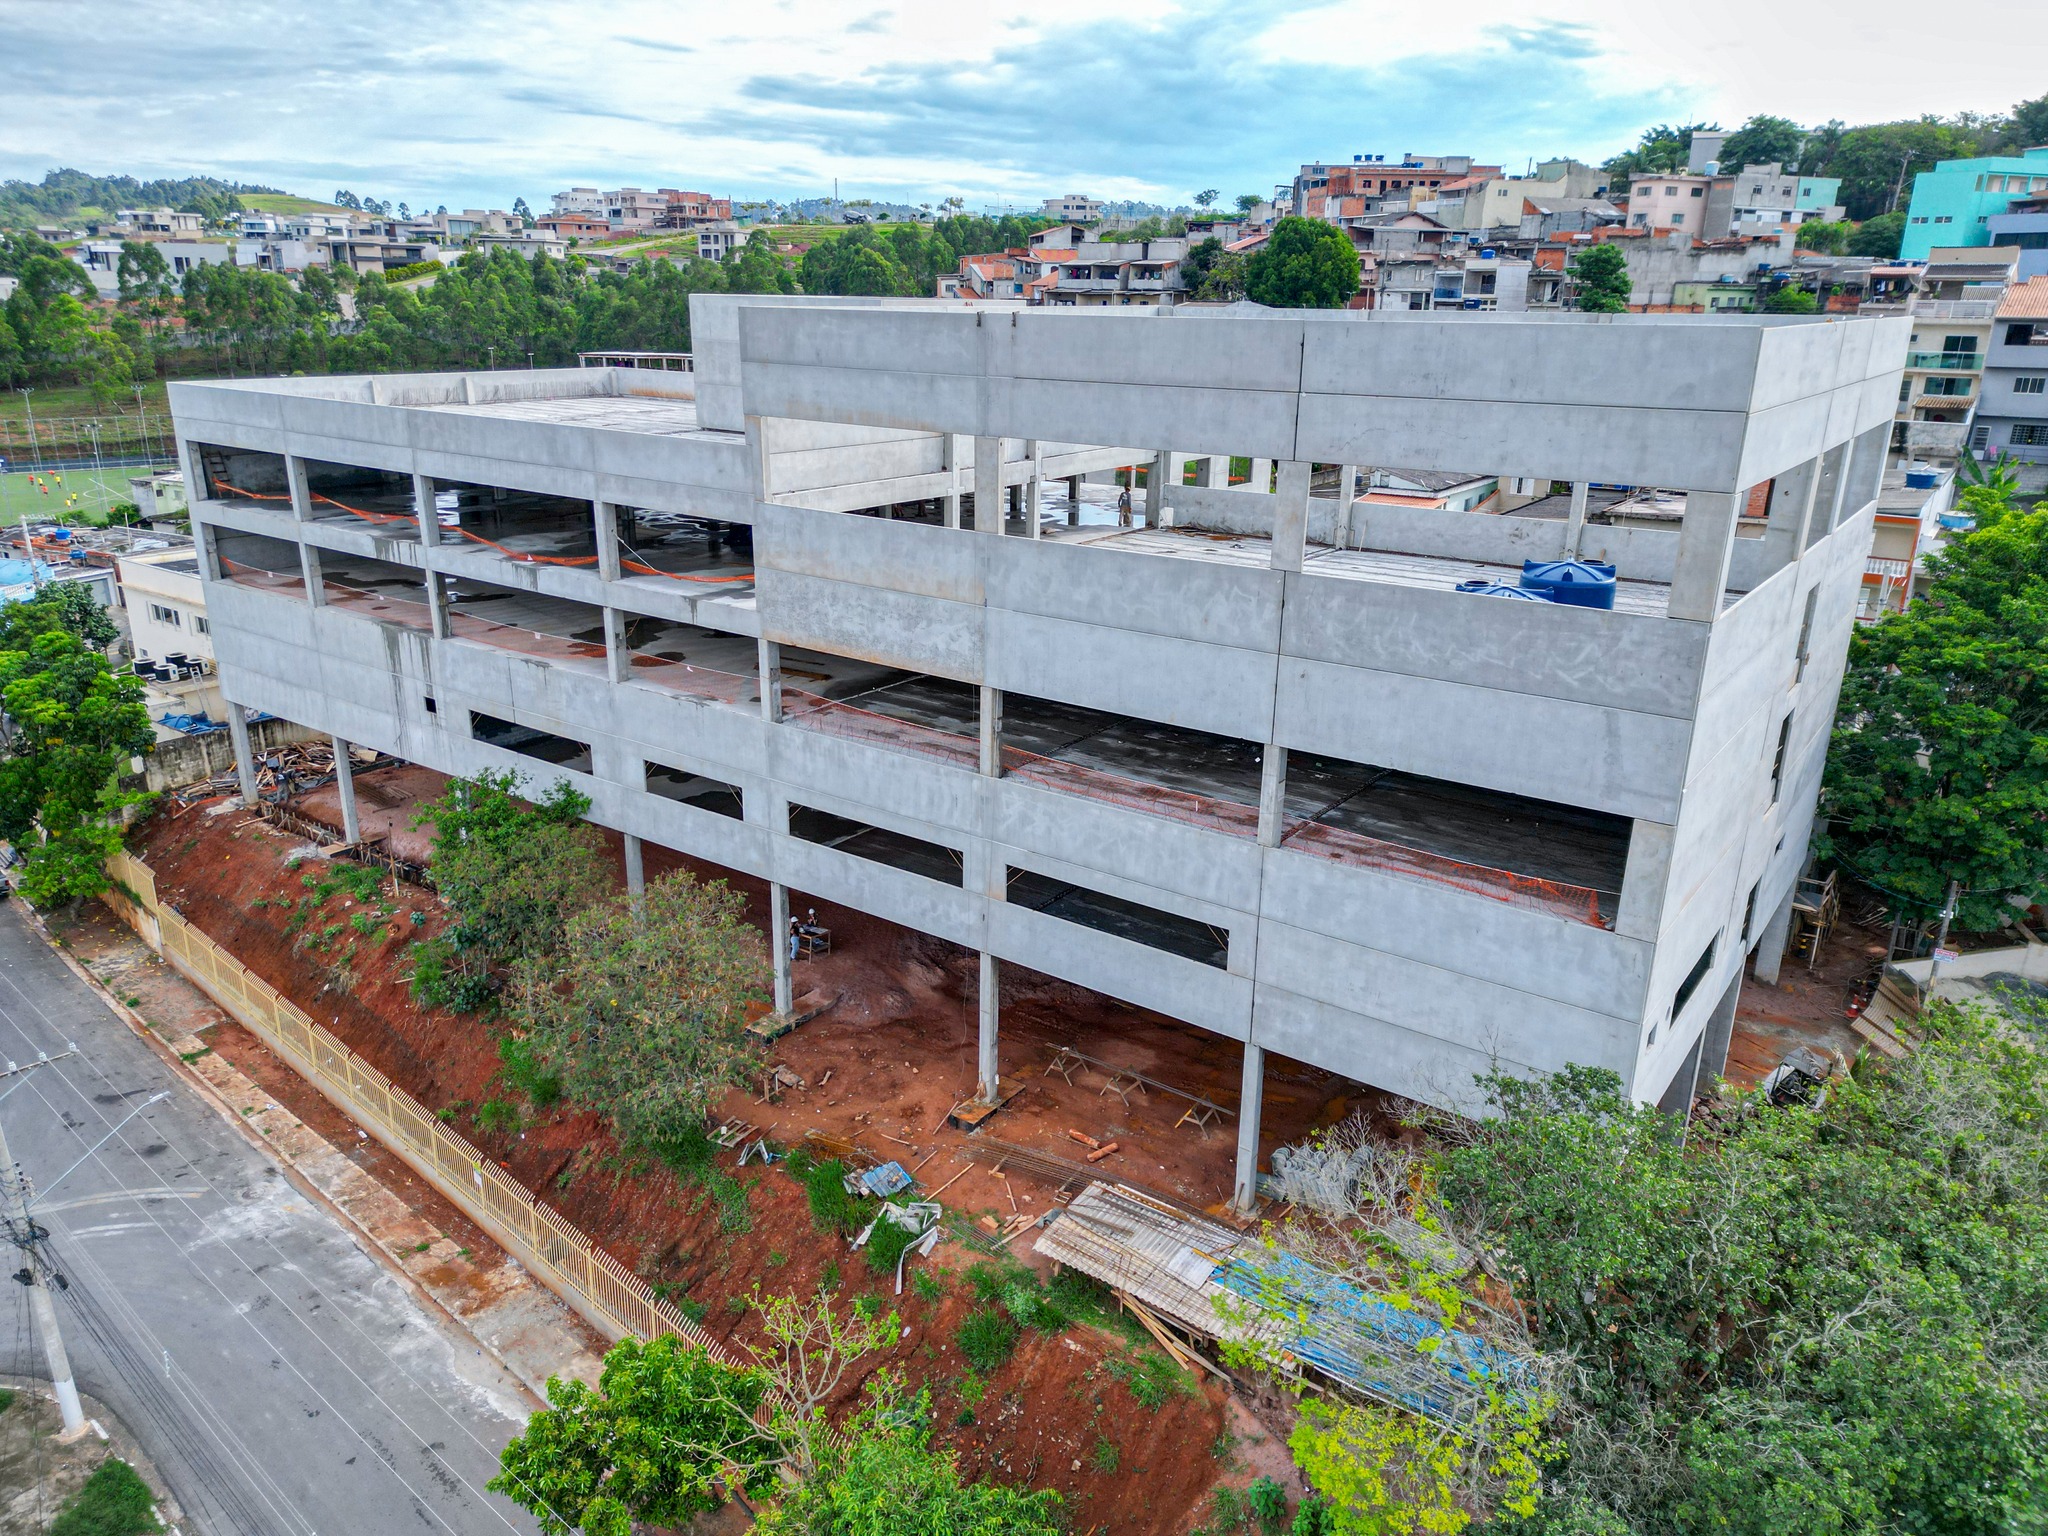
639, 567
1579, 902
1218, 815
842, 719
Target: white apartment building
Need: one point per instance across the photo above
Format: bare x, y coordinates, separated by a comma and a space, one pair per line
1257, 762
1074, 208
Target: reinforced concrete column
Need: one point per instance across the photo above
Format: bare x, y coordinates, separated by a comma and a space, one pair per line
1216, 472
430, 535
779, 946
1034, 487
952, 454
1706, 542
1290, 516
1159, 478
988, 485
1073, 500
605, 525
1347, 498
1272, 796
1770, 946
636, 864
992, 731
245, 755
1250, 1106
302, 514
1713, 1062
1575, 521
345, 785
771, 681
1261, 476
618, 656
423, 507
988, 1081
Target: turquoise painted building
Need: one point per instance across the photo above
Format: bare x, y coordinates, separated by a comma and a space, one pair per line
1954, 203
1819, 192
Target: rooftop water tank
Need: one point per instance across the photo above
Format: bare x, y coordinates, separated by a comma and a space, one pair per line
1578, 583
1922, 479
1502, 589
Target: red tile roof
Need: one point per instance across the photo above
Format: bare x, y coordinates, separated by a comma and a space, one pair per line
2026, 301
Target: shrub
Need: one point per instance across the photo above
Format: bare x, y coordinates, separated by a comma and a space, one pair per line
1267, 1501
986, 1338
885, 1246
524, 1072
497, 1115
113, 1502
832, 1208
433, 979
1149, 1377
1105, 1456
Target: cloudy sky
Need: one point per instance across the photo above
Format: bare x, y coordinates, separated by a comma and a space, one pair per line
474, 102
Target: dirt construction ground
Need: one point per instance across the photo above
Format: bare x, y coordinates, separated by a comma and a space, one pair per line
882, 1068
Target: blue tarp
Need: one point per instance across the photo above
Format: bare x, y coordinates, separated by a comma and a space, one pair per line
1389, 1351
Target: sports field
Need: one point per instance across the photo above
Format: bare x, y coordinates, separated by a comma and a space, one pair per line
62, 496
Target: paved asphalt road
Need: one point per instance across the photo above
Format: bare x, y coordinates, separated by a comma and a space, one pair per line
283, 1381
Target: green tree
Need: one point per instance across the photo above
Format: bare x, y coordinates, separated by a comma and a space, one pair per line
1879, 236
1206, 198
1877, 162
664, 1436
643, 1007
1830, 237
1306, 264
1247, 201
515, 872
69, 726
2027, 127
1761, 141
756, 267
1661, 149
1599, 274
1789, 299
1936, 770
880, 1476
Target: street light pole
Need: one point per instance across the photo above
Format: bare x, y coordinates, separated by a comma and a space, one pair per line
28, 1237
35, 448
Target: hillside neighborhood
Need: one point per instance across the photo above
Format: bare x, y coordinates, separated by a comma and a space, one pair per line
1360, 858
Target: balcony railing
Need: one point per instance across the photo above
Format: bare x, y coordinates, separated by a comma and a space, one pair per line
1946, 362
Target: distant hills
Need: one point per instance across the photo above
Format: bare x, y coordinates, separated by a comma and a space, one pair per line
65, 195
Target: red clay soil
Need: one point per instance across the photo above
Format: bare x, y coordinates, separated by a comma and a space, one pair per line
1806, 1007
899, 1049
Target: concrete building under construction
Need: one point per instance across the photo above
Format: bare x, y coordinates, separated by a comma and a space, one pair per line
842, 609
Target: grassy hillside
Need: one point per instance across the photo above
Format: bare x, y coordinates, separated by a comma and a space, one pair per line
286, 202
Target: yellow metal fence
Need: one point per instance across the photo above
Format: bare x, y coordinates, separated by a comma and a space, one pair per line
612, 1297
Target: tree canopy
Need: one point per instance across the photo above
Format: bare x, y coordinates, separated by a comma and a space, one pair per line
1762, 140
69, 726
1938, 770
1304, 264
1600, 275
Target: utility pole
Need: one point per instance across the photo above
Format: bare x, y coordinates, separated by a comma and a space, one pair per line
28, 1237
35, 448
1948, 912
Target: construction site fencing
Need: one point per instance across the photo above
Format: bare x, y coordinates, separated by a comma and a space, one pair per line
1578, 902
610, 1296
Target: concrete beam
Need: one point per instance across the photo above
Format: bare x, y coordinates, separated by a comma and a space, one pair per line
1706, 542
990, 986
1250, 1108
345, 786
781, 946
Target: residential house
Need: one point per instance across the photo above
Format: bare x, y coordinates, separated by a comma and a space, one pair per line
1700, 206
1074, 208
2012, 417
526, 242
632, 210
1954, 203
581, 202
1767, 197
171, 635
2024, 225
692, 210
1374, 176
718, 240
574, 226
1906, 525
1660, 265
102, 259
1954, 302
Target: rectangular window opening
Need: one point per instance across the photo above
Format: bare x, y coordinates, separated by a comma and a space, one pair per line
1806, 632
254, 560
528, 741
1204, 943
706, 664
1778, 758
910, 712
898, 850
713, 795
1694, 977
244, 475
553, 629
375, 501
1749, 911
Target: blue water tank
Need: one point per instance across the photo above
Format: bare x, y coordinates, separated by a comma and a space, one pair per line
1502, 589
1579, 583
1922, 479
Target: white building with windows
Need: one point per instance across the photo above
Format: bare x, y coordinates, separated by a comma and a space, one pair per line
839, 611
